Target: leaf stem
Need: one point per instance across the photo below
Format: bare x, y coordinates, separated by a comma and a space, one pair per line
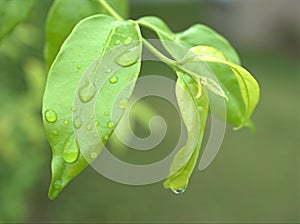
111, 10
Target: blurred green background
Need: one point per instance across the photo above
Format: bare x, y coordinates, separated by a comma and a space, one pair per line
254, 178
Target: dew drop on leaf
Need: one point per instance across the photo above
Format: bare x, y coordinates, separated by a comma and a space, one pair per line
93, 155
128, 41
110, 125
78, 66
106, 114
70, 151
87, 92
66, 122
77, 123
114, 79
128, 57
50, 116
57, 185
89, 127
123, 103
97, 123
105, 138
55, 132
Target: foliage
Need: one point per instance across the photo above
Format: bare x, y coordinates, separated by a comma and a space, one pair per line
76, 52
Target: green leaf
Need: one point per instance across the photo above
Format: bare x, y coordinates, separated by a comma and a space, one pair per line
200, 35
12, 12
194, 36
194, 112
65, 14
83, 59
247, 84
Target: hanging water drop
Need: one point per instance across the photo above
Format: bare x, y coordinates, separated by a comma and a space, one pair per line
114, 79
77, 123
87, 92
179, 190
129, 57
50, 116
70, 151
123, 103
128, 41
110, 125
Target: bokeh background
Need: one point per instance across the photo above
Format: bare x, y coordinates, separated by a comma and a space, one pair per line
255, 177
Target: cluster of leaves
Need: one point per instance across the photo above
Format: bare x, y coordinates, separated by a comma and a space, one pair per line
80, 33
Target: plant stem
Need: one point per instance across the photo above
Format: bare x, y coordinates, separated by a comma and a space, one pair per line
111, 10
158, 54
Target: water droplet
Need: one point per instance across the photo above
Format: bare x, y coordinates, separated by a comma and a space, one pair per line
117, 42
93, 155
57, 185
128, 57
66, 122
74, 109
50, 116
97, 123
110, 125
78, 66
89, 127
106, 114
70, 151
114, 79
109, 70
87, 92
179, 190
128, 41
77, 123
55, 132
123, 103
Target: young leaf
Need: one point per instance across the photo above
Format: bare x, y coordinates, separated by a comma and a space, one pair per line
65, 14
82, 54
194, 36
194, 113
13, 12
247, 84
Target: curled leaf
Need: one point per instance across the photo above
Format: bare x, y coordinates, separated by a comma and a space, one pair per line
194, 113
